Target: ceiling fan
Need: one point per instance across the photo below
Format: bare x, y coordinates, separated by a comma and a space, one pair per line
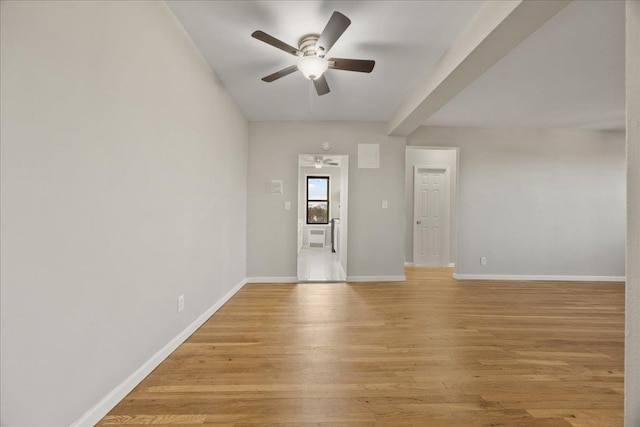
311, 51
319, 161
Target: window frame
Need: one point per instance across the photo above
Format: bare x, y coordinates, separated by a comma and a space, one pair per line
328, 179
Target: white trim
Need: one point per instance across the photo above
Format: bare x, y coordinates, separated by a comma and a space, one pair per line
376, 278
431, 147
408, 264
536, 277
284, 279
344, 273
102, 408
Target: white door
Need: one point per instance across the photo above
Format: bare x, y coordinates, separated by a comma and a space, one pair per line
431, 217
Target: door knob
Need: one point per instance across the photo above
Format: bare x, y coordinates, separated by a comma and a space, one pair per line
418, 222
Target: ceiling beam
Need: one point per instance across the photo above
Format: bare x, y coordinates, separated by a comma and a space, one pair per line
497, 28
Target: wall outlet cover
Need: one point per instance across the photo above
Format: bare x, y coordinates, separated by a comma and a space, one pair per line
180, 303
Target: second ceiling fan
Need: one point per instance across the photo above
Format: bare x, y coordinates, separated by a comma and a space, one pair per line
311, 51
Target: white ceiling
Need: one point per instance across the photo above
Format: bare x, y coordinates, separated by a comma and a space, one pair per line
569, 73
405, 38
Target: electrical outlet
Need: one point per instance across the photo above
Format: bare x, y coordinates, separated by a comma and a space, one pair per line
483, 260
180, 303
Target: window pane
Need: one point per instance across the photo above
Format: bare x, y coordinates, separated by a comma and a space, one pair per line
317, 213
318, 188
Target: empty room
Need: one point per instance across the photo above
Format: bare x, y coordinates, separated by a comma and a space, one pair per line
303, 213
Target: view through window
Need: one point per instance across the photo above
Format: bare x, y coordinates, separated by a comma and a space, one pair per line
317, 200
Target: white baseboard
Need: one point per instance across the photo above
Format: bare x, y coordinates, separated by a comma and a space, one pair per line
376, 279
285, 279
410, 264
535, 277
102, 408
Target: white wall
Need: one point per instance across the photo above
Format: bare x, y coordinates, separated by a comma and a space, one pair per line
537, 201
376, 235
123, 186
423, 156
632, 295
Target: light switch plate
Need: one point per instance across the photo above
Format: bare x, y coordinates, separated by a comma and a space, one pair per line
385, 205
287, 205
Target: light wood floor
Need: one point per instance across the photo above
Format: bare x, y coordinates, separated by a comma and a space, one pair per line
429, 352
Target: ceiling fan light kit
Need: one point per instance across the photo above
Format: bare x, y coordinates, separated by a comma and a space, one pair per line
311, 51
312, 66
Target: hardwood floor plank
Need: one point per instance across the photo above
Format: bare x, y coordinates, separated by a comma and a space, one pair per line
154, 419
432, 351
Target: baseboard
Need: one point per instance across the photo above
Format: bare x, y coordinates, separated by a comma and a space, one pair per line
376, 279
284, 279
410, 264
536, 277
102, 408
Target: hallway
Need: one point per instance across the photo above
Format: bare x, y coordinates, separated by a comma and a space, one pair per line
316, 264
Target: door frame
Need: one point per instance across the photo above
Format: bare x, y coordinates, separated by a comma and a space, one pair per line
342, 207
446, 235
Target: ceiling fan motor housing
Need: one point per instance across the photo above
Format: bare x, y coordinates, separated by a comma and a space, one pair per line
307, 45
311, 64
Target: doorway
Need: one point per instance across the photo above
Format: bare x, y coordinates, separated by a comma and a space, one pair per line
322, 217
431, 206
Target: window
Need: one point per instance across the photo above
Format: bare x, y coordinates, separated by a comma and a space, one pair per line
317, 200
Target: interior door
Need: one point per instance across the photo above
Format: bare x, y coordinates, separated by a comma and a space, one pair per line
431, 217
